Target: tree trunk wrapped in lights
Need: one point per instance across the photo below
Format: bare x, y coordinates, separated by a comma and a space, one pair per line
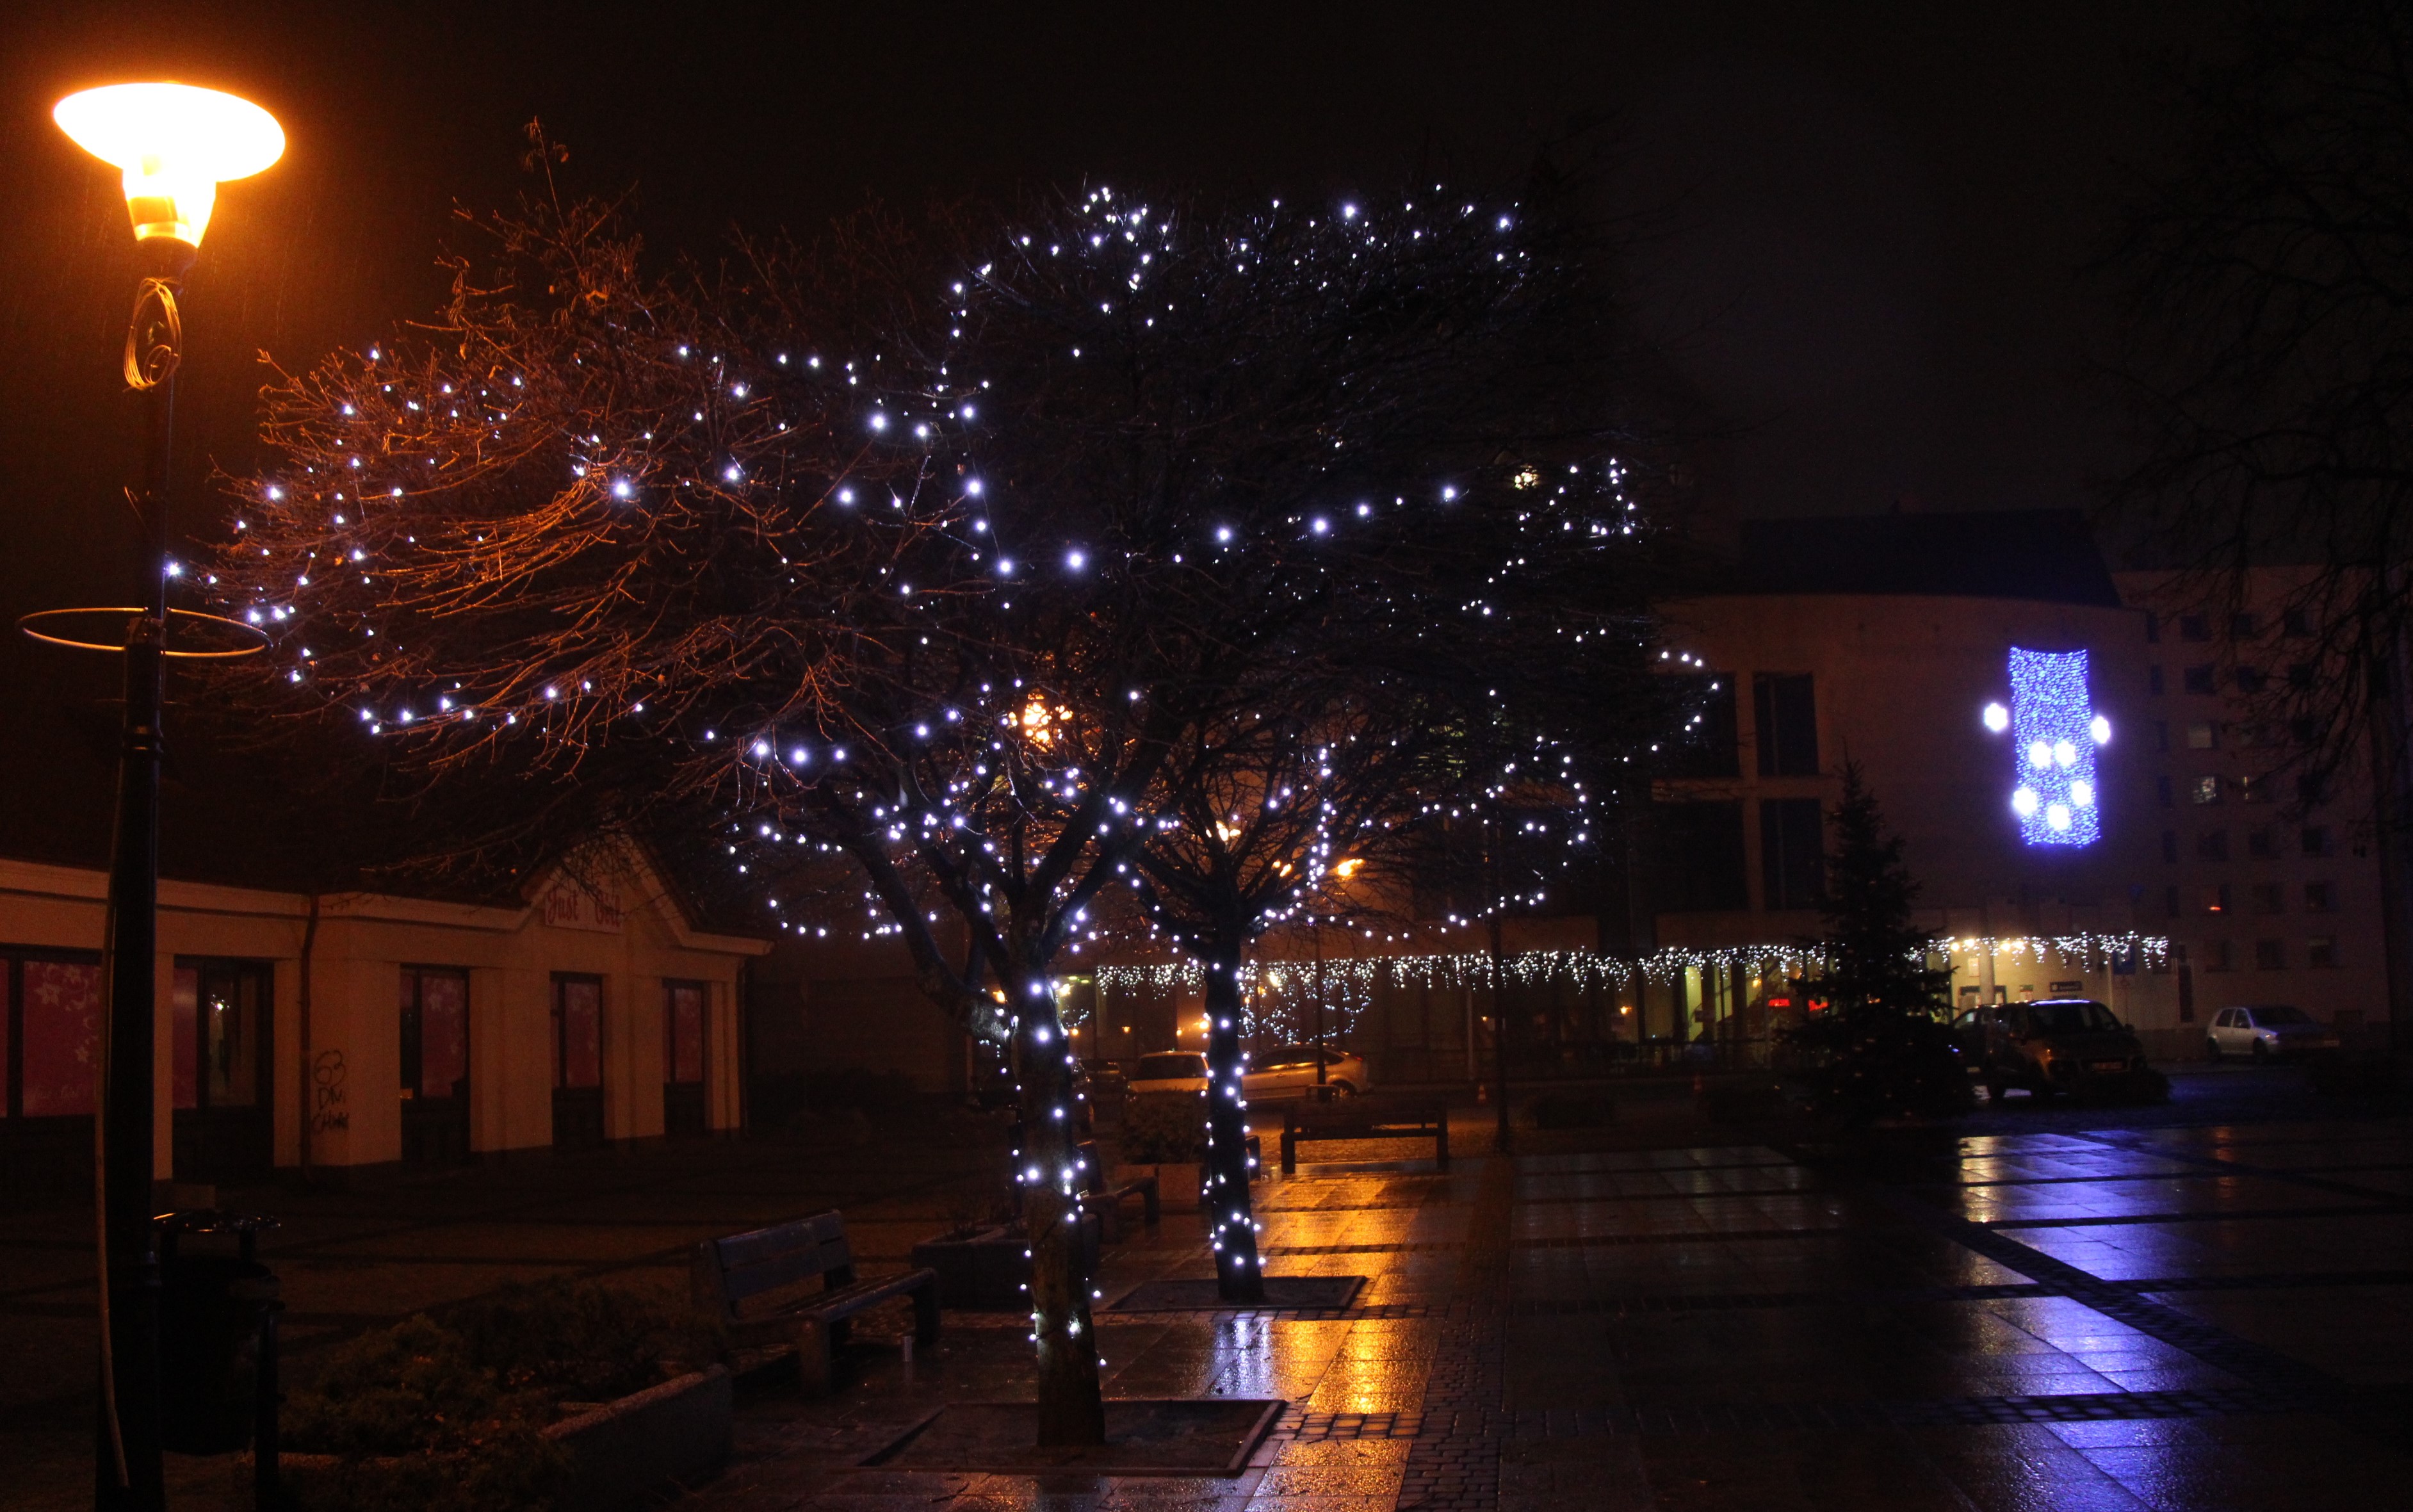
1231, 1218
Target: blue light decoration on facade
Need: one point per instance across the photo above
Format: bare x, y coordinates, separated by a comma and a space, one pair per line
2054, 736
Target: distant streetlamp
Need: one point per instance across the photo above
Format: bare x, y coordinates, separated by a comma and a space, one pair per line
175, 144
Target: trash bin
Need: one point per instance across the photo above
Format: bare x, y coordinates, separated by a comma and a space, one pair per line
215, 1317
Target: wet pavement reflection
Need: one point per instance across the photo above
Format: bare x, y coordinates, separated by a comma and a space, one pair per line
2171, 1318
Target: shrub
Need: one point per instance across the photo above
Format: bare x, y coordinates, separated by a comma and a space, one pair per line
450, 1417
2364, 1075
1741, 1101
1879, 1063
1164, 1128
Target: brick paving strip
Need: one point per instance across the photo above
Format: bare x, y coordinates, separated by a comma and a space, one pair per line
1456, 1464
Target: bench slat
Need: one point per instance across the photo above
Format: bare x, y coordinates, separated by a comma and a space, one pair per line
848, 1300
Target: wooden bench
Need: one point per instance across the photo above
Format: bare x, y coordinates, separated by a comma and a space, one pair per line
734, 1277
1110, 1198
1358, 1119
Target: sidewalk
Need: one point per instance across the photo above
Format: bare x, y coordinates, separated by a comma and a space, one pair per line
2164, 1318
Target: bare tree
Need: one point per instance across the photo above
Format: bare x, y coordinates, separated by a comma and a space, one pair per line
2268, 282
945, 551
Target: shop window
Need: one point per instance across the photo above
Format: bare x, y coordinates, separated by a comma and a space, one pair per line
2321, 950
1792, 852
577, 1034
52, 1017
1784, 708
683, 1032
435, 1034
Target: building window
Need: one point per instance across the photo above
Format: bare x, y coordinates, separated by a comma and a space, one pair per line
2297, 624
435, 1034
2153, 627
2161, 734
2212, 845
2316, 839
2321, 950
2202, 680
1792, 853
2153, 680
2320, 898
2251, 679
2269, 897
1700, 855
577, 1034
2162, 790
2202, 734
2205, 790
2170, 846
51, 1017
683, 1032
2170, 900
2261, 845
1709, 747
1787, 711
2195, 628
2300, 677
2215, 955
2216, 898
2253, 788
2242, 627
2270, 956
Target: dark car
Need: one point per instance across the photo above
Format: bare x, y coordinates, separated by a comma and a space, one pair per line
2057, 1045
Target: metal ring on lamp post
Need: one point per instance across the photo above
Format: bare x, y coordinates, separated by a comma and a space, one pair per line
155, 337
33, 625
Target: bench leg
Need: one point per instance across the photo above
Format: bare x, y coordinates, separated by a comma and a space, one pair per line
813, 1357
926, 1314
1150, 1205
1289, 1153
1110, 1222
1440, 1145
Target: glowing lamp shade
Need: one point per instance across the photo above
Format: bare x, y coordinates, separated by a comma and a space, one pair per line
175, 144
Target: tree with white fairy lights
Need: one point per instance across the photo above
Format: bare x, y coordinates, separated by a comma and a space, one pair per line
986, 560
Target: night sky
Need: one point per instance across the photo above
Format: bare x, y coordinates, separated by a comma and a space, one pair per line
1858, 230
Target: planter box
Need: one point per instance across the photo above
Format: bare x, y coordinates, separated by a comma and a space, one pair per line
625, 1451
1176, 1183
623, 1454
986, 1272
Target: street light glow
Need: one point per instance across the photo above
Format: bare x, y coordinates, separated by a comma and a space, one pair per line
175, 144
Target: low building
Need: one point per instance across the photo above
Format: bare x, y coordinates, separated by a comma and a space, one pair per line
359, 1031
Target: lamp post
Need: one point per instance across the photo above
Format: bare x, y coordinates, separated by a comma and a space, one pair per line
174, 144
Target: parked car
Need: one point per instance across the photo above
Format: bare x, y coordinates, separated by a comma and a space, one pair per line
2266, 1031
2055, 1045
1167, 1070
1290, 1071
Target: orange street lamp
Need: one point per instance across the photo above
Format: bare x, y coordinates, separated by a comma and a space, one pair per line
174, 144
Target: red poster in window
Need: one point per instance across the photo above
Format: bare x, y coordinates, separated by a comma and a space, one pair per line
62, 1037
3, 1039
578, 1028
184, 1008
686, 1034
443, 1034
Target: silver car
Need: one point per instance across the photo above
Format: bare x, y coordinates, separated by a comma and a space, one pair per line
1290, 1071
2266, 1031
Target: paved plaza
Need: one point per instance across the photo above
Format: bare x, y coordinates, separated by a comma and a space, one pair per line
2053, 1308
